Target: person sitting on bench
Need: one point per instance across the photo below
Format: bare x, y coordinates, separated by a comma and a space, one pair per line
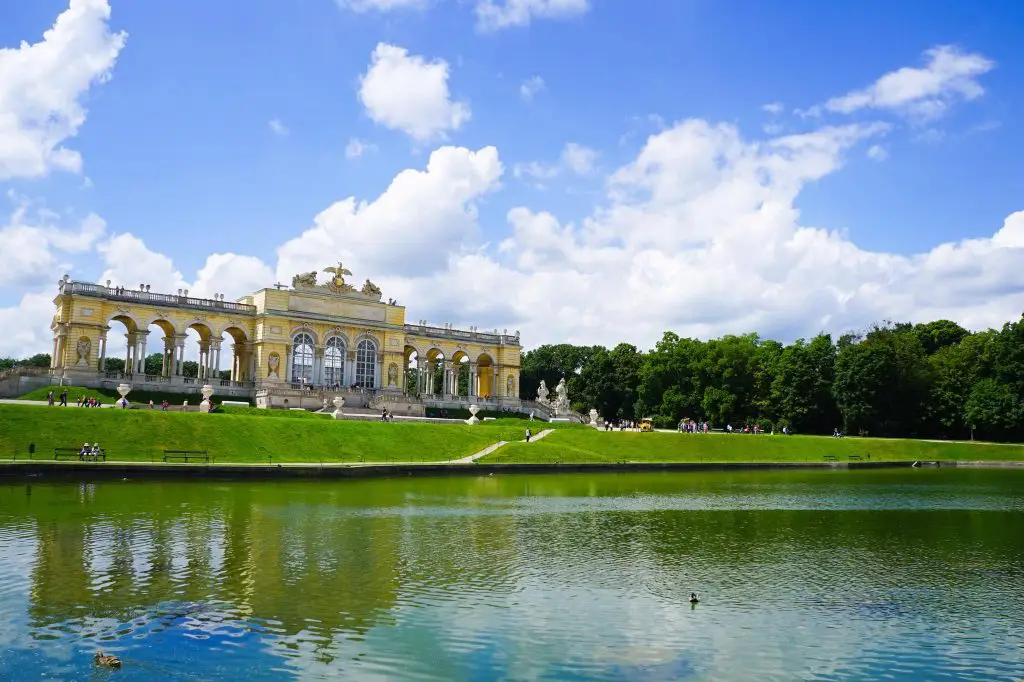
84, 452
95, 450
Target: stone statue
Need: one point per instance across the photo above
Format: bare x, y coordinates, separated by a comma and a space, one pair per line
542, 393
392, 374
337, 282
82, 348
273, 362
370, 289
562, 399
305, 280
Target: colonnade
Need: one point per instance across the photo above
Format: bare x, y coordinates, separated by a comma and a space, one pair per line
449, 384
173, 356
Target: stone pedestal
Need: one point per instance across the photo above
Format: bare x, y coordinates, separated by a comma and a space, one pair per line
207, 391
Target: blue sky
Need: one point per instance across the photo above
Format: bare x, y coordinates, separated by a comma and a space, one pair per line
178, 150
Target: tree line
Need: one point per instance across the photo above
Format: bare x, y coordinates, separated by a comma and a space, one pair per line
933, 380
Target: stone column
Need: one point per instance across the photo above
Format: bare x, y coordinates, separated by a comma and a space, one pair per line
129, 346
179, 363
378, 375
472, 380
318, 365
103, 351
287, 363
216, 360
142, 352
495, 389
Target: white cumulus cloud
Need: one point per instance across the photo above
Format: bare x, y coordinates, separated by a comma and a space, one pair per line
42, 84
408, 93
277, 127
950, 74
575, 158
495, 15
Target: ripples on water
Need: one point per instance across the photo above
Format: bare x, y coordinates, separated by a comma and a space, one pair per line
828, 576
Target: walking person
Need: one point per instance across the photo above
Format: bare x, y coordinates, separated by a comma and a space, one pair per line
528, 434
49, 398
64, 398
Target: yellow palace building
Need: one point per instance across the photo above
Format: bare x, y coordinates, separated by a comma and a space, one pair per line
284, 346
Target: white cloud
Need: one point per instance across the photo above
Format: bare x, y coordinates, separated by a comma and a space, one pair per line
381, 5
41, 85
702, 229
923, 93
26, 324
575, 158
420, 219
356, 148
493, 16
406, 92
773, 108
35, 245
278, 128
877, 152
530, 87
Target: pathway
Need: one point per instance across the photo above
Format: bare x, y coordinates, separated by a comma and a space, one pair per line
491, 448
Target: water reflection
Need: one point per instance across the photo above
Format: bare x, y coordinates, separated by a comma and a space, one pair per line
520, 577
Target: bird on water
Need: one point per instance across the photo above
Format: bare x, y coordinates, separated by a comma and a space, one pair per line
107, 660
693, 598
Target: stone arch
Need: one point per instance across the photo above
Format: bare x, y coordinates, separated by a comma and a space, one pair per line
337, 334
461, 362
485, 375
368, 336
201, 328
165, 346
166, 326
304, 329
124, 317
412, 376
237, 334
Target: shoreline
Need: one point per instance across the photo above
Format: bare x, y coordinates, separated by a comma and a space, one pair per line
152, 470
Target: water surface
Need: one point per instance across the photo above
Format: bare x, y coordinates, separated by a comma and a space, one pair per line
902, 575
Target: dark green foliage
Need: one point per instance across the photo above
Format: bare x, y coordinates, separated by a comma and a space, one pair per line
934, 380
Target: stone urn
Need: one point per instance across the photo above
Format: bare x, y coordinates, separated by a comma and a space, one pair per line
339, 403
473, 409
593, 417
124, 389
207, 391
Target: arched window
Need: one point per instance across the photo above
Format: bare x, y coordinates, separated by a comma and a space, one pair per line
302, 357
366, 364
334, 361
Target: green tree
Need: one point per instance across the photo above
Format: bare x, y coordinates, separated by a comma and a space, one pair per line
939, 334
550, 363
994, 410
113, 364
154, 364
802, 386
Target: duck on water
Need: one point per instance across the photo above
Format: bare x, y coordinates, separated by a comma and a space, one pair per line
693, 598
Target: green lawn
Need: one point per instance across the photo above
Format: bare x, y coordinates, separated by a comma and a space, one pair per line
591, 446
109, 395
142, 435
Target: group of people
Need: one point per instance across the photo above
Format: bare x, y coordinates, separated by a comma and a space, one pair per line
690, 426
622, 425
63, 398
386, 416
89, 452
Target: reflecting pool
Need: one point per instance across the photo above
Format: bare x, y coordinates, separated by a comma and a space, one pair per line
823, 575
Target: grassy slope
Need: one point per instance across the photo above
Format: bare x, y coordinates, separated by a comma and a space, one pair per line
109, 395
597, 446
142, 435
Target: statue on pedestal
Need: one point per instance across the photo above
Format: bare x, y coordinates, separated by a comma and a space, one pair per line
562, 399
542, 393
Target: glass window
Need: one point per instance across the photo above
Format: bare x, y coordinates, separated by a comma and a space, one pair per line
366, 364
334, 361
302, 357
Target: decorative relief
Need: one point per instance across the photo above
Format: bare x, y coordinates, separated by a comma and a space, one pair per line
86, 312
274, 329
273, 364
82, 348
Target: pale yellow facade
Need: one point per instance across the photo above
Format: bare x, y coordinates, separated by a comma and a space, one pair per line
308, 336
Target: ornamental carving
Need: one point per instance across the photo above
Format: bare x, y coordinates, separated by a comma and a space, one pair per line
82, 349
273, 363
306, 281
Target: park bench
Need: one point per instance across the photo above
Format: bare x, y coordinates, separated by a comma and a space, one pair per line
856, 458
186, 455
75, 453
829, 458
